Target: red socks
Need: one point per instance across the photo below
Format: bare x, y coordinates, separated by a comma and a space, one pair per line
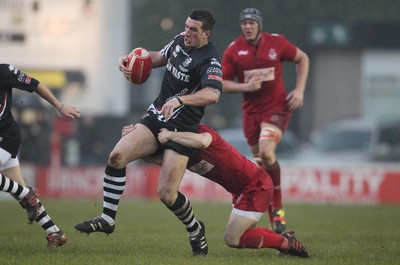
275, 172
261, 238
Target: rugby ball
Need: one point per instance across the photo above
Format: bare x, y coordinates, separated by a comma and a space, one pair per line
140, 64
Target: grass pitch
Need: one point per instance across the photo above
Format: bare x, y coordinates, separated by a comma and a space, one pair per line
147, 233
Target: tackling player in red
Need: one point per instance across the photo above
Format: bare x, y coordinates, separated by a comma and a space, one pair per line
250, 186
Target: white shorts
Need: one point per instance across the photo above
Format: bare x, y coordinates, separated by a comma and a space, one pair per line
11, 162
256, 216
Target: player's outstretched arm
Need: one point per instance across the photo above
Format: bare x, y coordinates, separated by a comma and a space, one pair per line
66, 110
188, 139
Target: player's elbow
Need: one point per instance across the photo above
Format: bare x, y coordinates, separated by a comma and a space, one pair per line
214, 97
206, 140
301, 57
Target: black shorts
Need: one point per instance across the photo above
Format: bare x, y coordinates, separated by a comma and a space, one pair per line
151, 122
10, 138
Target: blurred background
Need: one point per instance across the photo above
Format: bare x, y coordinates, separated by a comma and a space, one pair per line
351, 113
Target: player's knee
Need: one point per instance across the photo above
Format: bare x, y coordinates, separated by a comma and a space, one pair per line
116, 159
231, 240
267, 156
167, 196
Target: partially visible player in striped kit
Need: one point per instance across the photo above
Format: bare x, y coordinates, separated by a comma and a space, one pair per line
11, 179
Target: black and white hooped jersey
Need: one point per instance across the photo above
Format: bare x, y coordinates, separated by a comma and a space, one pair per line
11, 77
187, 71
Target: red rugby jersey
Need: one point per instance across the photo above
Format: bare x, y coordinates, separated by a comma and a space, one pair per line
241, 58
222, 163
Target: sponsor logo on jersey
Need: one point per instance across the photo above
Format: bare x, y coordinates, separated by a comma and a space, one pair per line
177, 49
275, 118
187, 61
28, 80
214, 70
185, 64
178, 74
202, 167
272, 54
242, 52
215, 62
183, 92
12, 69
21, 77
215, 77
267, 74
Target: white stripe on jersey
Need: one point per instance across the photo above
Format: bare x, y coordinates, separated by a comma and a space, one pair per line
167, 48
160, 116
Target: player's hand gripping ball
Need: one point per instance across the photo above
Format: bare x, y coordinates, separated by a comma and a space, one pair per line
139, 62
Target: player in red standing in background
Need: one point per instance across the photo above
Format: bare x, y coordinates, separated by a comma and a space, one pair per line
251, 188
255, 59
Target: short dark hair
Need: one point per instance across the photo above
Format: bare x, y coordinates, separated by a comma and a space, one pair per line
205, 17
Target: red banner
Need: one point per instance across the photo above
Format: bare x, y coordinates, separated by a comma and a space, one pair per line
341, 185
352, 185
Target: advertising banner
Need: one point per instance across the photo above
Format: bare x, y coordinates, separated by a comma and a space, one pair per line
346, 185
